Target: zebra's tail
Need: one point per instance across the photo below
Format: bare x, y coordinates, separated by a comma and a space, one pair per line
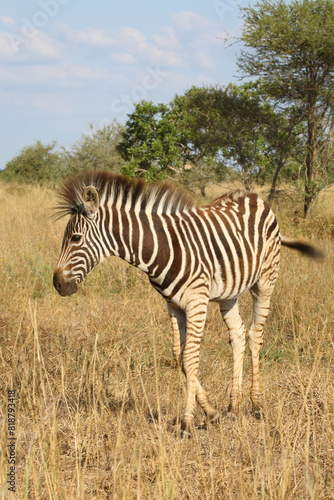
304, 248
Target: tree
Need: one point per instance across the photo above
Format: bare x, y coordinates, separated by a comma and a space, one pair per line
284, 136
244, 116
207, 133
151, 143
200, 121
96, 151
290, 46
36, 163
227, 125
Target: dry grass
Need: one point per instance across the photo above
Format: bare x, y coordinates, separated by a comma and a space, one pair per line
97, 389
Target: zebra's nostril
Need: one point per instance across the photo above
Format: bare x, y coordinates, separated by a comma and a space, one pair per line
63, 287
57, 281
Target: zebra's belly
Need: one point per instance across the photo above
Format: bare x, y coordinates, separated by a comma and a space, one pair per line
231, 287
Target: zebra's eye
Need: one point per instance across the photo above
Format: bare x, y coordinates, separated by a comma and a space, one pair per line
75, 238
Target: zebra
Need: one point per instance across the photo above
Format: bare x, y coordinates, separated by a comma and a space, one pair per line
192, 255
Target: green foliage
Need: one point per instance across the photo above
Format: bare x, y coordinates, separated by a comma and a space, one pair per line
96, 151
243, 125
35, 164
290, 46
151, 143
202, 174
235, 127
208, 132
43, 164
199, 120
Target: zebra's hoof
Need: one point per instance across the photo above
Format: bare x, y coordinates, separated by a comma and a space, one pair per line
258, 413
231, 415
185, 434
215, 419
257, 410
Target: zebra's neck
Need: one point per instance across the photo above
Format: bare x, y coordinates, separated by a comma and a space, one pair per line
141, 237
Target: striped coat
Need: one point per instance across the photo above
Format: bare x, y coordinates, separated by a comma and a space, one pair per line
191, 254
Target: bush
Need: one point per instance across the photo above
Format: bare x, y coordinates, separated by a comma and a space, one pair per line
96, 150
37, 163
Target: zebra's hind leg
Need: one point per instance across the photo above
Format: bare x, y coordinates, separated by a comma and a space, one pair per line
261, 300
230, 312
179, 325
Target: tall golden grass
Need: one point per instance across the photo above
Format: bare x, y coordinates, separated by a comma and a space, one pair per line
97, 392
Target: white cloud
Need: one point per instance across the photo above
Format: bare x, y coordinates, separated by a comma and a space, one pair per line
188, 21
63, 74
48, 103
203, 59
186, 44
7, 21
166, 38
17, 47
123, 58
128, 45
132, 38
91, 37
81, 72
42, 45
7, 45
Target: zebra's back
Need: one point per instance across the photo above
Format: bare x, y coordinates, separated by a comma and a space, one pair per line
226, 243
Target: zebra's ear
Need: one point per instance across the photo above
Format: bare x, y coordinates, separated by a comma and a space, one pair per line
91, 200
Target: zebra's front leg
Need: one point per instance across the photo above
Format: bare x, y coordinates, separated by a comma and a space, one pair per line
236, 329
196, 316
179, 325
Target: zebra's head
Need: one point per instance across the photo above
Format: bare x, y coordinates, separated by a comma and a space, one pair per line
80, 251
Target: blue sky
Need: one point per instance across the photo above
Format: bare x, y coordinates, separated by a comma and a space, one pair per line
67, 63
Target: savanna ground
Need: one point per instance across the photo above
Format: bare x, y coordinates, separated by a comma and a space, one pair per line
97, 392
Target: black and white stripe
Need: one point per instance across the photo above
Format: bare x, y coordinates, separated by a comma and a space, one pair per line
191, 254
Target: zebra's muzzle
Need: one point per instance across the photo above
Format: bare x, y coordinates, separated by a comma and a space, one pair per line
64, 287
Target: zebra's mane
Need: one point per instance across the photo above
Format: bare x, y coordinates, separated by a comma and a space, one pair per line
111, 185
